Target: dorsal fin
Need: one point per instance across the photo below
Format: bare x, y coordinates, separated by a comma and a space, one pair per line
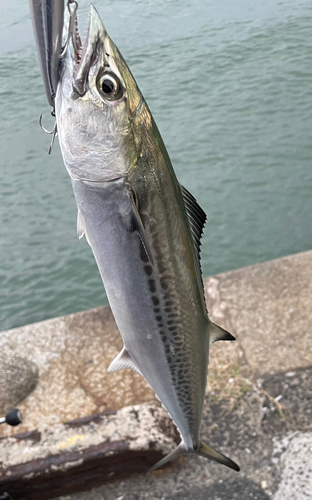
196, 217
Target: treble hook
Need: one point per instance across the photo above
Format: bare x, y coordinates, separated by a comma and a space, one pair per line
50, 132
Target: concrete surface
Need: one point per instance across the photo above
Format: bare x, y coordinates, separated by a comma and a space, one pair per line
259, 388
295, 457
84, 453
72, 353
114, 427
274, 455
268, 308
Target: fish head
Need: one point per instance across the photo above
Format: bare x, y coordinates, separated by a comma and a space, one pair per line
96, 102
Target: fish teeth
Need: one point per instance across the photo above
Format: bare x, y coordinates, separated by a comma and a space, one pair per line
81, 36
87, 24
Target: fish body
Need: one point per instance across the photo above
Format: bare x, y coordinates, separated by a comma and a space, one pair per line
156, 300
144, 229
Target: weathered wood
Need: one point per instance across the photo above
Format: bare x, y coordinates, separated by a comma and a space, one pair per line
71, 472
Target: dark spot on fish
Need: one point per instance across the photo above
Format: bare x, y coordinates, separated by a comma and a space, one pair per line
169, 303
169, 359
164, 338
143, 255
172, 315
168, 309
152, 285
155, 300
158, 318
160, 325
156, 310
172, 328
164, 284
106, 54
148, 270
171, 322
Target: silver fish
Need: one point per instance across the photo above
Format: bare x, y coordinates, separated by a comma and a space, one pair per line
144, 229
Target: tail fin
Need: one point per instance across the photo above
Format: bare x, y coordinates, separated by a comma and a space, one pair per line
206, 451
177, 452
203, 450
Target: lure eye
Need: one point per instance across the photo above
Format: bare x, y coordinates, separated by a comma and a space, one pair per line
110, 87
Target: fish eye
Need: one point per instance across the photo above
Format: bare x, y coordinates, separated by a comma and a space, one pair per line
110, 86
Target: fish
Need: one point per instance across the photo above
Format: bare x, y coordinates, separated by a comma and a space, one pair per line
143, 226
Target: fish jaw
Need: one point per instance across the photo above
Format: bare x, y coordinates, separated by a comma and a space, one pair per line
94, 127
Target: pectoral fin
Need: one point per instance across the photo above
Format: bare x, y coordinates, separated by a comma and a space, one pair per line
137, 225
81, 226
122, 362
217, 333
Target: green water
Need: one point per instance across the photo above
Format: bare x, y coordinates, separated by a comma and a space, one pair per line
230, 86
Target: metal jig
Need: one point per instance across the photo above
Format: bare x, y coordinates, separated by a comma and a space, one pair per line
76, 42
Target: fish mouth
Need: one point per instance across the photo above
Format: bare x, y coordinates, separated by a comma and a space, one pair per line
85, 53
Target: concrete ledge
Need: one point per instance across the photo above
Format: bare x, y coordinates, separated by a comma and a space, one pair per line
268, 308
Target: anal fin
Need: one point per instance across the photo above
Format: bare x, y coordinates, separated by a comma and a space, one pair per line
122, 362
